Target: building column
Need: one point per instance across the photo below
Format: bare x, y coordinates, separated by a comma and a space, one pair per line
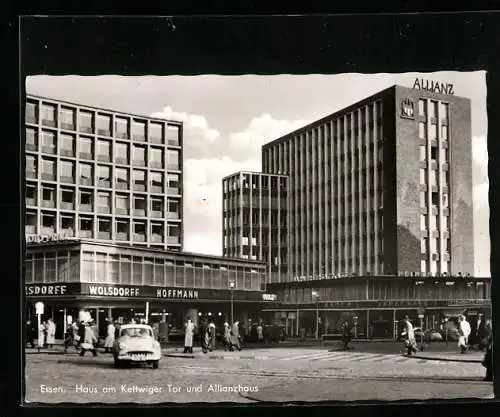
367, 324
394, 325
192, 314
297, 325
325, 323
110, 313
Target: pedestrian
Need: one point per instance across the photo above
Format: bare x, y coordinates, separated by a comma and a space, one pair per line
80, 334
260, 332
464, 333
30, 333
163, 332
483, 334
235, 335
156, 332
43, 334
204, 336
227, 337
488, 358
117, 329
188, 336
69, 337
211, 332
302, 334
89, 340
347, 335
110, 336
51, 333
409, 334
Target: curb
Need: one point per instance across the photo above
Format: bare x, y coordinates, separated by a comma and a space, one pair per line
444, 359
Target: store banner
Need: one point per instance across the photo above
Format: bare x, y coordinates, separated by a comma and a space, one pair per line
131, 291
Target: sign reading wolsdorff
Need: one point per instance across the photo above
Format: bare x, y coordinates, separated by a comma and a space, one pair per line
131, 291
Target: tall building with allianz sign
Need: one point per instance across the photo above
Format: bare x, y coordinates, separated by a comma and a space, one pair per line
382, 187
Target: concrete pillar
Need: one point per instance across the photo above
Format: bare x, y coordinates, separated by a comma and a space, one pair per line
325, 322
368, 324
192, 314
297, 326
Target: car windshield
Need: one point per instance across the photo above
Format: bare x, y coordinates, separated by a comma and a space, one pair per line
136, 332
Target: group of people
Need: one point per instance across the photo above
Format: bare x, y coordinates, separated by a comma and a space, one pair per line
46, 335
84, 336
231, 338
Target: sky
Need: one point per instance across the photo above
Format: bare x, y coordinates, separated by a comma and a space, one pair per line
228, 118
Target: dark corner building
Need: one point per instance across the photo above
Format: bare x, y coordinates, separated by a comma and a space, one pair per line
104, 222
379, 214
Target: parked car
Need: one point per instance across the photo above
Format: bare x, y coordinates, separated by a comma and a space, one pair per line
136, 344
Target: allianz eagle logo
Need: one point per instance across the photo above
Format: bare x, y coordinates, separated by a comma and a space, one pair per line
407, 108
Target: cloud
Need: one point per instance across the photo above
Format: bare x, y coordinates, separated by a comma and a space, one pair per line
261, 130
203, 200
197, 131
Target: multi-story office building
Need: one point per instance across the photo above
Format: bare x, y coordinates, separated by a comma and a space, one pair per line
102, 175
104, 223
255, 220
380, 187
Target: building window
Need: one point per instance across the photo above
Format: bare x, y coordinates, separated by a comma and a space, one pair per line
85, 148
67, 118
157, 232
435, 199
433, 109
86, 226
31, 112
422, 134
174, 233
68, 224
139, 180
48, 223
31, 195
434, 153
139, 230
423, 222
122, 229
444, 132
423, 266
48, 142
422, 107
423, 199
104, 176
67, 199
31, 166
121, 153
31, 139
156, 158
48, 170
121, 178
156, 133
445, 200
433, 223
139, 206
173, 209
86, 174
104, 150
423, 244
121, 204
104, 228
173, 135
103, 202
103, 125
86, 122
67, 173
173, 184
433, 131
49, 115
433, 178
444, 155
121, 128
139, 156
156, 207
66, 145
423, 153
173, 160
86, 200
139, 130
443, 112
423, 176
156, 179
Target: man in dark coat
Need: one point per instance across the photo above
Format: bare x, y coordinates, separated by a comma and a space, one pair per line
30, 333
488, 360
347, 335
163, 332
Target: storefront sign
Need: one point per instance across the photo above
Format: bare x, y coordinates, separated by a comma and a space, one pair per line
56, 237
389, 304
433, 86
45, 289
180, 293
269, 297
114, 291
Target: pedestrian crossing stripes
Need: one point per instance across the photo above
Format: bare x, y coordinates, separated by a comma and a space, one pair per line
343, 357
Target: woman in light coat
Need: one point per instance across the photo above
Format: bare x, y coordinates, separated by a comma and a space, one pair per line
464, 333
89, 341
235, 335
110, 337
211, 334
409, 333
227, 337
41, 334
188, 336
51, 333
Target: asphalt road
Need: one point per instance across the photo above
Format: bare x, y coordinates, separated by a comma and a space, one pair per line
287, 374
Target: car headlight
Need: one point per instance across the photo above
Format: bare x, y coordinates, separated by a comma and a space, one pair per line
156, 344
121, 346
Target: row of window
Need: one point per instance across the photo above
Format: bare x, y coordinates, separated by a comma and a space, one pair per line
432, 174
141, 156
432, 132
430, 222
123, 229
435, 265
435, 153
91, 122
138, 204
430, 107
435, 200
101, 175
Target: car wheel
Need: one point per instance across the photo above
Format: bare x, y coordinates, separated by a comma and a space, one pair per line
155, 364
118, 363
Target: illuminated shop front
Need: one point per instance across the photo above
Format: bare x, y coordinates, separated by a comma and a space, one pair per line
378, 304
110, 280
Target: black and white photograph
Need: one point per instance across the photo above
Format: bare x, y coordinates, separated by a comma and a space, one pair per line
257, 238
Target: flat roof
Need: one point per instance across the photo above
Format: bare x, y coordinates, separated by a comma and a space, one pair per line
75, 242
254, 173
103, 109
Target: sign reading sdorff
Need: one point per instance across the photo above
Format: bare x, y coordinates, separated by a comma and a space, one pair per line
433, 86
45, 289
55, 237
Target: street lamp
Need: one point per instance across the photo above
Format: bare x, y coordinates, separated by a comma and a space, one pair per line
231, 287
446, 330
315, 296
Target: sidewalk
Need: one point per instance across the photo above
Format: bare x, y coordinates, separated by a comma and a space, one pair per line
474, 357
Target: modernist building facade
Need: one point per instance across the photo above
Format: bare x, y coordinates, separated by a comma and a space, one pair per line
104, 223
255, 208
382, 188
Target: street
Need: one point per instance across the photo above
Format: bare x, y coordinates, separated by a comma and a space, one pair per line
277, 374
